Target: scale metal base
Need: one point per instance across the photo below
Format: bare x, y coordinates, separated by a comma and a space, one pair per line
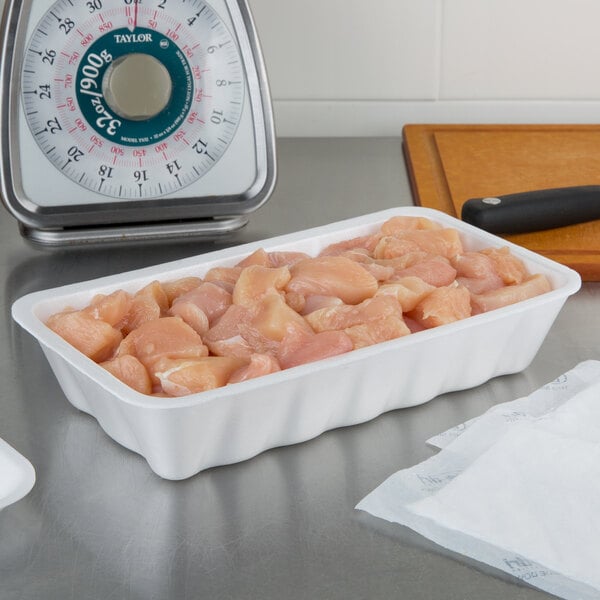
202, 230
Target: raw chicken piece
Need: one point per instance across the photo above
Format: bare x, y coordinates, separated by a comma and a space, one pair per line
258, 257
202, 306
315, 302
256, 281
345, 315
374, 320
399, 263
367, 242
534, 286
130, 371
181, 377
286, 259
177, 287
408, 291
242, 331
509, 267
272, 259
442, 306
168, 337
377, 330
402, 223
259, 365
477, 272
225, 338
390, 246
332, 276
148, 304
94, 338
435, 270
299, 347
441, 242
192, 314
111, 309
413, 325
271, 316
380, 272
224, 277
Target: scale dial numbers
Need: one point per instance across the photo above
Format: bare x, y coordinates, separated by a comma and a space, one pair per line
132, 98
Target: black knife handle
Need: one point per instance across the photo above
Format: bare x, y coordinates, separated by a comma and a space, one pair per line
534, 211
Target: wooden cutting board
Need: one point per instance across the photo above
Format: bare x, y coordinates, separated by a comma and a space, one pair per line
448, 164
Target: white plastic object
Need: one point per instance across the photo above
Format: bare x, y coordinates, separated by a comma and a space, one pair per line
182, 436
17, 475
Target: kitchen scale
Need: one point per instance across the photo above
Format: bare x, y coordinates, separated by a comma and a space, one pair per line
132, 119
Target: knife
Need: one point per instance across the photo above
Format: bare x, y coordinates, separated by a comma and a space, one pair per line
534, 210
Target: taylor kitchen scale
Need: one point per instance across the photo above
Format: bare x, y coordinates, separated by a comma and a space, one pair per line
132, 119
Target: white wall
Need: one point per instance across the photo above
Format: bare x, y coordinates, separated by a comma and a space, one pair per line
367, 67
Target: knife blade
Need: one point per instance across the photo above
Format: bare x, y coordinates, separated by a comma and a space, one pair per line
535, 210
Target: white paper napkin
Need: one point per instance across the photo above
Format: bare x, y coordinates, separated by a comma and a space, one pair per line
517, 488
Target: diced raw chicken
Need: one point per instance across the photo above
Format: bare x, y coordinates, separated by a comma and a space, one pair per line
412, 324
380, 272
271, 317
192, 314
367, 242
130, 371
235, 345
399, 263
374, 320
177, 287
402, 223
256, 281
148, 304
224, 277
94, 338
436, 271
315, 302
508, 266
276, 310
345, 315
408, 291
534, 286
272, 259
202, 306
390, 246
304, 305
224, 338
377, 330
332, 276
442, 306
181, 377
299, 347
258, 257
111, 309
442, 242
259, 365
243, 331
286, 259
168, 337
477, 272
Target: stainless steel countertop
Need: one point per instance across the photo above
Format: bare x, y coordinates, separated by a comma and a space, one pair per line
100, 525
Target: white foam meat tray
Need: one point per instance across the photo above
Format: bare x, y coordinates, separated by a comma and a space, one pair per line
181, 436
17, 475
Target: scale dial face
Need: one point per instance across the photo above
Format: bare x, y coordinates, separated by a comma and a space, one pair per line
132, 99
